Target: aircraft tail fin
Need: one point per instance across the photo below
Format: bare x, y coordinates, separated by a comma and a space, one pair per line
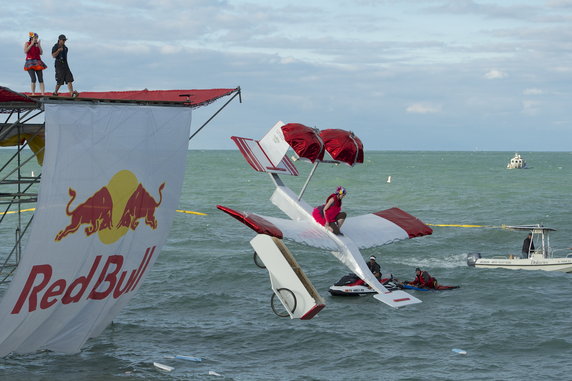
274, 144
269, 153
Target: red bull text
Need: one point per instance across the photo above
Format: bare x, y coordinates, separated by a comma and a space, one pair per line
40, 291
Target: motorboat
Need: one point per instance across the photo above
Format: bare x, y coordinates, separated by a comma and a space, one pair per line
541, 258
517, 162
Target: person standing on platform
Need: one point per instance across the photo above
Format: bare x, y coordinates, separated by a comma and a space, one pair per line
63, 72
34, 64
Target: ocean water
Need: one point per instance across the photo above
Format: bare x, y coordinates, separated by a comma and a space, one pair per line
205, 297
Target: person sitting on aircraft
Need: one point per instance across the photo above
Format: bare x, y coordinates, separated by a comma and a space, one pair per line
527, 246
330, 214
423, 280
374, 267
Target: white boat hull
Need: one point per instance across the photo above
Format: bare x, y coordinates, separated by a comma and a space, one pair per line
546, 264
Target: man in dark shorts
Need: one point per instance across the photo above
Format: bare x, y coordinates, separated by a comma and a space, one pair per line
63, 72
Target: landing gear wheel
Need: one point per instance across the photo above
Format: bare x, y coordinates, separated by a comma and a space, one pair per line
257, 261
289, 299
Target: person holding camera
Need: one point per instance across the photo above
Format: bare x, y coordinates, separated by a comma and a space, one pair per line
63, 72
34, 64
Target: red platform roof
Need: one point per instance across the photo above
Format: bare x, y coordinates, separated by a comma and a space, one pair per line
189, 98
9, 96
193, 98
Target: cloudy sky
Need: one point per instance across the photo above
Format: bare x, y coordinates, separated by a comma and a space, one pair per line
403, 75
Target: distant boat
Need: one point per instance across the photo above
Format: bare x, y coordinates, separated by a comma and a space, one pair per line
517, 162
389, 179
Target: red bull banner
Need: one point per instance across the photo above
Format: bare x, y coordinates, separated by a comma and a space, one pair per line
111, 183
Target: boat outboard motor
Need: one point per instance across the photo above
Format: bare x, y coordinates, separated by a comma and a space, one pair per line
472, 258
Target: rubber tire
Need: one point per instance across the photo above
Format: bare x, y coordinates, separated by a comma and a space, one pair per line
281, 313
257, 261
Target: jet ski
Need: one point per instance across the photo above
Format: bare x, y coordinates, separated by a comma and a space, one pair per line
352, 285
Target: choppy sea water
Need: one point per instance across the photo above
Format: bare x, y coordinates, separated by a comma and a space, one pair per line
205, 297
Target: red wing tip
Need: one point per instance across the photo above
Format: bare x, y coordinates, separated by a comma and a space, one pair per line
310, 314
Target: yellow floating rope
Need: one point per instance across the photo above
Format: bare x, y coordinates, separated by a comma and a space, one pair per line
191, 212
470, 226
19, 211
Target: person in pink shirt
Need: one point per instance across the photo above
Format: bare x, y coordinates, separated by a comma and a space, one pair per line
34, 64
330, 214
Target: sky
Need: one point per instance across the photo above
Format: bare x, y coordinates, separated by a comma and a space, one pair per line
460, 75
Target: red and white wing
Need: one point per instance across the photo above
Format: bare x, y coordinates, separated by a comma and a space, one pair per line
370, 230
384, 227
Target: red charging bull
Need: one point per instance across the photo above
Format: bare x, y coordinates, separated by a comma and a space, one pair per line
141, 205
96, 212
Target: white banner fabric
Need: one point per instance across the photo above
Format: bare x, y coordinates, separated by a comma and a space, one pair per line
111, 182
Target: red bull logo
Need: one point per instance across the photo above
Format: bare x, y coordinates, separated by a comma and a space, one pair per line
113, 210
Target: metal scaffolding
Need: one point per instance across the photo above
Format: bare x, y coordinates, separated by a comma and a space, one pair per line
18, 184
